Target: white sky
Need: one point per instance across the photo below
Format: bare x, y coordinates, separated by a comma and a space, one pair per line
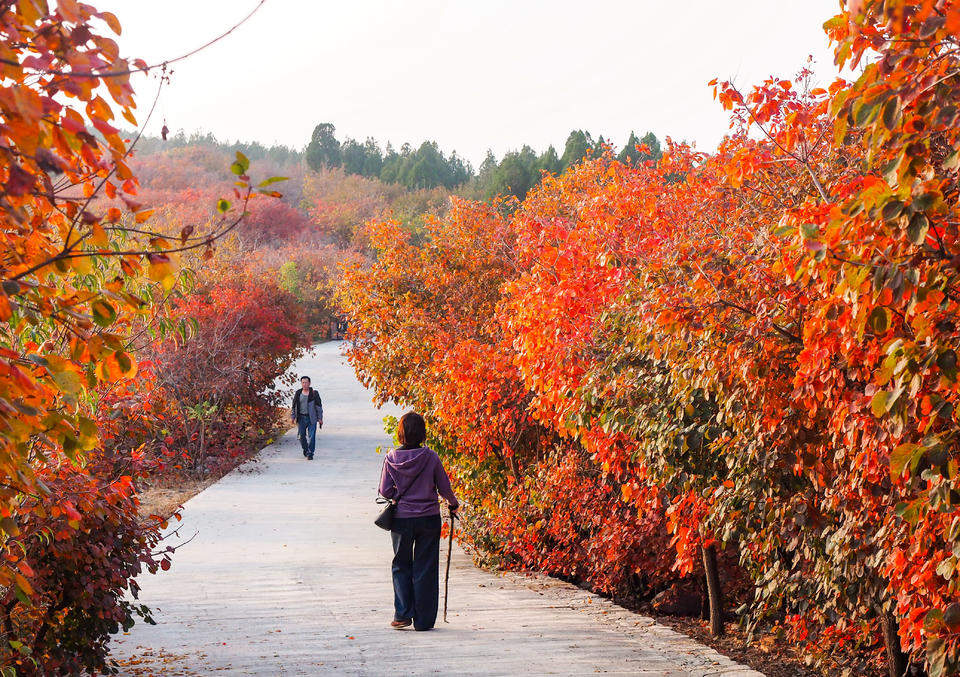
472, 74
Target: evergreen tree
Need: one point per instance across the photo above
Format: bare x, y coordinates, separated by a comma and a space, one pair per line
631, 155
600, 147
323, 149
578, 143
650, 141
372, 158
352, 157
461, 170
426, 168
549, 161
390, 168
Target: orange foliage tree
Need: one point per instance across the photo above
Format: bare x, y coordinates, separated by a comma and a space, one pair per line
82, 271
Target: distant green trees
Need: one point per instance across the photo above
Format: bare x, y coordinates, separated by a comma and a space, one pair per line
425, 167
519, 171
428, 167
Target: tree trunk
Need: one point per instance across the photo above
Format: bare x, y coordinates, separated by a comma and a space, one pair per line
713, 589
704, 599
203, 449
896, 659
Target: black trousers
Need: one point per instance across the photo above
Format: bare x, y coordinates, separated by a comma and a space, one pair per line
416, 569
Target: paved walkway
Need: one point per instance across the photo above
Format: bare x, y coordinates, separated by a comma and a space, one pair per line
287, 575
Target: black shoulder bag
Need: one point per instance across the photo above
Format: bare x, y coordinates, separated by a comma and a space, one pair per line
385, 518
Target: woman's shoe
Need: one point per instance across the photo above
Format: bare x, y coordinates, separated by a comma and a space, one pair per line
404, 623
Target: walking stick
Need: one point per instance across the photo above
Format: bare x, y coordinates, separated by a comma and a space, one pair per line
446, 580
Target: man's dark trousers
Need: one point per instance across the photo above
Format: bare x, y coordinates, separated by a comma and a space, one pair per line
416, 569
308, 435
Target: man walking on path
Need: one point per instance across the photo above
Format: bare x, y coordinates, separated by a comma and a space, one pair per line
307, 412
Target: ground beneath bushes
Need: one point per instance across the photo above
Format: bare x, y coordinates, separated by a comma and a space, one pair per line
772, 658
163, 495
286, 575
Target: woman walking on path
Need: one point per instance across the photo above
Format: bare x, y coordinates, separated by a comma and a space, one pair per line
414, 475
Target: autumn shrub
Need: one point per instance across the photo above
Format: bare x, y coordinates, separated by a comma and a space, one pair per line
220, 375
308, 274
754, 350
339, 204
426, 332
79, 545
85, 274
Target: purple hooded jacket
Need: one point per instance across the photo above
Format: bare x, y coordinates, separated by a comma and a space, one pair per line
418, 476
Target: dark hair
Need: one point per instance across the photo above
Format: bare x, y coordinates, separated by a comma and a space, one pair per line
412, 430
306, 377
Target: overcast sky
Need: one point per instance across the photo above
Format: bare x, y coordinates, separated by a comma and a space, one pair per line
470, 74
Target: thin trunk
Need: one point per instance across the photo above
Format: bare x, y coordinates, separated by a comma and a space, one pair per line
896, 659
202, 447
713, 589
704, 600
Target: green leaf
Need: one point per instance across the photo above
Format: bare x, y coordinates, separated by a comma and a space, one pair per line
809, 231
64, 375
936, 656
891, 113
952, 161
951, 615
863, 113
932, 620
892, 210
917, 230
103, 312
223, 205
879, 403
834, 22
947, 361
123, 359
241, 166
878, 320
908, 512
272, 180
900, 458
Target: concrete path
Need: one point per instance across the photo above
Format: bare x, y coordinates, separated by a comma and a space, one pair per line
287, 575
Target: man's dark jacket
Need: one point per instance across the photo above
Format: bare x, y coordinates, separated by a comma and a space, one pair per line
314, 406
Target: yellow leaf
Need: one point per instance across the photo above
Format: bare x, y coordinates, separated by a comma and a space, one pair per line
65, 374
22, 583
98, 236
161, 270
82, 264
